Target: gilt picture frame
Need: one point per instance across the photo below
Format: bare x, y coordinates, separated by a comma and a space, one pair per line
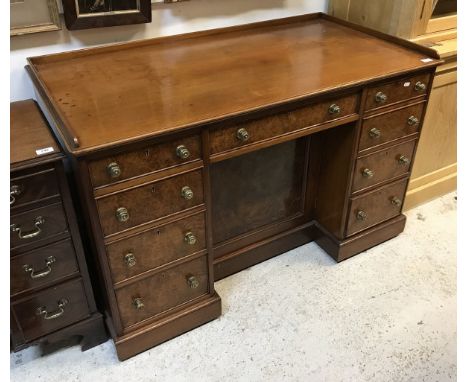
33, 16
84, 14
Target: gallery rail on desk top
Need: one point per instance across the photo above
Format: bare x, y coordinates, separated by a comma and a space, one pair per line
132, 91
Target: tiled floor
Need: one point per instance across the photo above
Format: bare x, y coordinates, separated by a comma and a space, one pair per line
388, 314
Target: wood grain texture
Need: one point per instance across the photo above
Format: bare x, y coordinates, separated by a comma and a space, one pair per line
219, 74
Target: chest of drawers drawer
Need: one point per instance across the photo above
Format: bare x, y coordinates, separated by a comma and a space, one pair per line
158, 246
375, 207
149, 202
383, 165
130, 164
163, 291
51, 309
386, 127
29, 188
396, 91
37, 224
42, 266
258, 130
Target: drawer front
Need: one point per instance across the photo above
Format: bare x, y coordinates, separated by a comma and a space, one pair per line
376, 207
156, 247
395, 91
163, 291
37, 224
145, 160
33, 187
389, 126
383, 165
147, 203
224, 139
52, 309
42, 266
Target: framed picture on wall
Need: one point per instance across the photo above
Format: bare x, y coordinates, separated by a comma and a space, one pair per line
83, 14
33, 16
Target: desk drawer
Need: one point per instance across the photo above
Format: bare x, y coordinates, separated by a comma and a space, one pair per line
52, 309
42, 266
33, 187
163, 291
389, 126
146, 160
234, 136
158, 246
376, 207
146, 203
395, 91
383, 165
37, 224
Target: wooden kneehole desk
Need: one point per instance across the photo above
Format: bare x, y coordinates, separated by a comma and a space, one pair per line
199, 155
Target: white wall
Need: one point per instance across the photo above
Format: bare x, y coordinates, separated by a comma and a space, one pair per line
168, 19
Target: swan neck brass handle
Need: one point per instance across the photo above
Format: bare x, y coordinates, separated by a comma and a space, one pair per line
122, 214
192, 281
138, 303
15, 191
182, 152
42, 311
130, 259
419, 86
190, 238
29, 234
367, 173
413, 121
375, 133
361, 215
113, 169
242, 135
186, 192
43, 272
334, 109
381, 97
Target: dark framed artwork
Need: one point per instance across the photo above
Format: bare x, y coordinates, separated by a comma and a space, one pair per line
83, 14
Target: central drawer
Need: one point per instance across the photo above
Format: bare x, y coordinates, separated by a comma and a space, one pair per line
163, 291
158, 246
262, 129
149, 202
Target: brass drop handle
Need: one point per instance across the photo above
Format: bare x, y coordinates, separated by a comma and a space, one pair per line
15, 191
396, 202
381, 97
122, 214
374, 133
182, 152
190, 238
367, 173
113, 169
186, 192
138, 303
403, 160
242, 135
413, 121
52, 315
29, 234
361, 215
130, 259
192, 281
42, 273
419, 86
334, 109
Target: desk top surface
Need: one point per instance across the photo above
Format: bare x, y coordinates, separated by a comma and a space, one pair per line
30, 137
127, 92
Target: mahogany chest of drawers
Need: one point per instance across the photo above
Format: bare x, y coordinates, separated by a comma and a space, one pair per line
200, 155
50, 290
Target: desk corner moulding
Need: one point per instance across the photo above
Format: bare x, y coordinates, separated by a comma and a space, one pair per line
199, 155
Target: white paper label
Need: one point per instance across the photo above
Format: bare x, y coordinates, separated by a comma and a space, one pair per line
406, 84
426, 60
45, 150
